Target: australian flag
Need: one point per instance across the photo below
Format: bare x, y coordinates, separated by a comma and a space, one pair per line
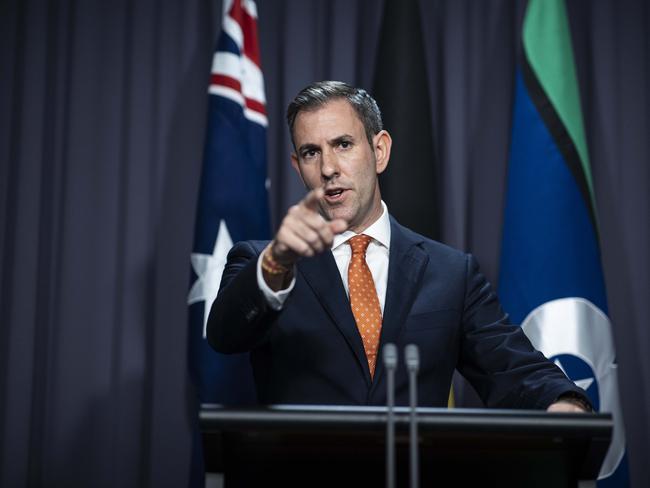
233, 197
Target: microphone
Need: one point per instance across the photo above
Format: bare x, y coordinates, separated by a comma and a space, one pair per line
412, 359
390, 363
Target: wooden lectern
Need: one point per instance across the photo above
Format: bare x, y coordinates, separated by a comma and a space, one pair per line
307, 446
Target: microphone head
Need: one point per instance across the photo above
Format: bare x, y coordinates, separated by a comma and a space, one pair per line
389, 352
412, 357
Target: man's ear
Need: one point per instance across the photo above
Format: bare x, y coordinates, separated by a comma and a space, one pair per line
296, 166
382, 143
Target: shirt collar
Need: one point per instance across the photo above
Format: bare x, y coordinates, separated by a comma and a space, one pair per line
379, 231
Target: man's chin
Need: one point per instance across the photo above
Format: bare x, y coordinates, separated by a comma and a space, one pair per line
338, 212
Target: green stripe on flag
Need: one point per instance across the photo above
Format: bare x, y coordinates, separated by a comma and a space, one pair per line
547, 46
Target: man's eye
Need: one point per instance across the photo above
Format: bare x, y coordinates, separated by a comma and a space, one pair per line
309, 154
345, 144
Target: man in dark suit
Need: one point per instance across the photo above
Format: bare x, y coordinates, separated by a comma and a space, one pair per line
341, 278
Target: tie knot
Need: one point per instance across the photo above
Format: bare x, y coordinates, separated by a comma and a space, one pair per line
359, 244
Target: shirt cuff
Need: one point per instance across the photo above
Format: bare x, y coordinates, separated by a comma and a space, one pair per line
274, 299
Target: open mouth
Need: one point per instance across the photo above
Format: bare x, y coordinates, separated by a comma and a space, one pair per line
334, 194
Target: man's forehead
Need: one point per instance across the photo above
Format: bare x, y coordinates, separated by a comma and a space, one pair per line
333, 115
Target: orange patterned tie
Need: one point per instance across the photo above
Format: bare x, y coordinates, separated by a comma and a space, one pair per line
363, 298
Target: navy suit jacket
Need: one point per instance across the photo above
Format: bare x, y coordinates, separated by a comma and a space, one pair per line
311, 351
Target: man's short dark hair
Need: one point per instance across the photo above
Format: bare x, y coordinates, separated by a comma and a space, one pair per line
319, 93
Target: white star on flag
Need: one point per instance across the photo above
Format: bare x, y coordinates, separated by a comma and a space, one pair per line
209, 268
583, 383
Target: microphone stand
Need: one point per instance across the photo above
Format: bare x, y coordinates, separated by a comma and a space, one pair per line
412, 358
390, 363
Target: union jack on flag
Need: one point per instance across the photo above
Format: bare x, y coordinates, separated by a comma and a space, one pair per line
233, 198
236, 67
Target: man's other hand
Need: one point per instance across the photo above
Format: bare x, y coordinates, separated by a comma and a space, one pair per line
566, 406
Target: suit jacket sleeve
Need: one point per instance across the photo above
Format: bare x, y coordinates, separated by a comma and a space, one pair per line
498, 359
240, 317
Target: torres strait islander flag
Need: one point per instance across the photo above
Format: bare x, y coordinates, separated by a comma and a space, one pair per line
233, 196
551, 278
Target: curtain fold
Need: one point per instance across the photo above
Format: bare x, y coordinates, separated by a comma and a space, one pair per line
102, 119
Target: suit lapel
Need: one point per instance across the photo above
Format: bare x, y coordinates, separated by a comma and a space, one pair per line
406, 265
322, 275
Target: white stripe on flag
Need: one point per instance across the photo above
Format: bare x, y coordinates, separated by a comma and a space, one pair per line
252, 81
242, 69
256, 117
250, 7
228, 93
233, 29
237, 97
228, 64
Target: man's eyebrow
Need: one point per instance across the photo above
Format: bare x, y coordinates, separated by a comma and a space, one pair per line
332, 142
307, 147
339, 139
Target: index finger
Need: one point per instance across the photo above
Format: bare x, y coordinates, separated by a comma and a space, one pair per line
312, 198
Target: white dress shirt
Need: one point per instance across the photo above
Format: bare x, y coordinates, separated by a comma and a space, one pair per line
376, 257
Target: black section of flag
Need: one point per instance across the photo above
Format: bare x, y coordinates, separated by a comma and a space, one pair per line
559, 133
409, 185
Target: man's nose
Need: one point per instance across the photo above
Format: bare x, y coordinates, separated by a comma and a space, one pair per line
329, 165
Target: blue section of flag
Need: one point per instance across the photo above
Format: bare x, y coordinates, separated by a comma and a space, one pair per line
234, 177
226, 44
549, 247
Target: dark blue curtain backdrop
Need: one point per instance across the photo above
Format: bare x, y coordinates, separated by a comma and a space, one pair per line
102, 119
